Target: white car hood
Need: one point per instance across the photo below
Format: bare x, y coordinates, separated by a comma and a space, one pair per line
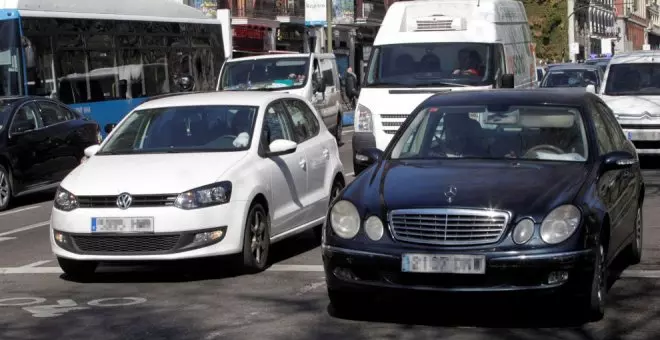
635, 105
149, 173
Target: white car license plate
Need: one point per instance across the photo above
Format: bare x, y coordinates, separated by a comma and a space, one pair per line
452, 264
122, 224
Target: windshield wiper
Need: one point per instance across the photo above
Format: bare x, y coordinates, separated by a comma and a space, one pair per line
387, 84
440, 83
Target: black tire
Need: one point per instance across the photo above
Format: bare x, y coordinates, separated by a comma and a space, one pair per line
638, 241
77, 269
340, 128
5, 188
336, 188
256, 240
591, 305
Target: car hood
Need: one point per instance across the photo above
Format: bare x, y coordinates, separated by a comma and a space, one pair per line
635, 105
149, 173
524, 188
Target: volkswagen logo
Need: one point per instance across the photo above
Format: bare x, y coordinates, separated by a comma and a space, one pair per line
451, 193
124, 201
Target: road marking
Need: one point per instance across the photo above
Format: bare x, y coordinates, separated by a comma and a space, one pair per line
31, 270
6, 238
310, 287
295, 268
350, 174
641, 274
35, 264
27, 227
347, 131
19, 210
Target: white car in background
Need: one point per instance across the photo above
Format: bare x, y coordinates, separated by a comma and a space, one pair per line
198, 175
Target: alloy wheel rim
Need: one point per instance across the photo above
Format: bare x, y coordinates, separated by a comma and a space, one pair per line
4, 189
638, 229
258, 244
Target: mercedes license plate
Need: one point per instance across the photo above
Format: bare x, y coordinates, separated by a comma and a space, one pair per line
452, 264
122, 224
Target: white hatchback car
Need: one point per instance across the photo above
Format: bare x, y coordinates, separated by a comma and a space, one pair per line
198, 175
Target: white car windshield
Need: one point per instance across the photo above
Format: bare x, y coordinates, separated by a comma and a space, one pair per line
514, 132
265, 74
633, 79
183, 129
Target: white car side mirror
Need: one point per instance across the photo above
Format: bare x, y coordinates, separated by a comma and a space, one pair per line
591, 88
282, 147
92, 150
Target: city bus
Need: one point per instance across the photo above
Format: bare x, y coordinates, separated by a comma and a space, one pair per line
105, 57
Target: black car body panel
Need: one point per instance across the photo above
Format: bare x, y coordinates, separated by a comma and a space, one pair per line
606, 198
41, 156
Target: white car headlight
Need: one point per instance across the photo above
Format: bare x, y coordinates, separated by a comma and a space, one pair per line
523, 231
374, 228
65, 200
363, 119
560, 224
206, 196
345, 219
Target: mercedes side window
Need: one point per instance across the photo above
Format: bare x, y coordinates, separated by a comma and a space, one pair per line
603, 133
51, 113
25, 119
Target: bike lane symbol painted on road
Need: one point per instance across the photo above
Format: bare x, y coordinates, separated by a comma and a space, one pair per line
33, 305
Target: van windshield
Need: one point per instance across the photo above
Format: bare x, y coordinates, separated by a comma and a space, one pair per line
432, 64
265, 74
633, 79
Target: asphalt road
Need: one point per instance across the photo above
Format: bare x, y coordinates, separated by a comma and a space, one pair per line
286, 302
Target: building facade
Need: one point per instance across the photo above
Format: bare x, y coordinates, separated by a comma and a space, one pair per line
653, 28
632, 25
593, 25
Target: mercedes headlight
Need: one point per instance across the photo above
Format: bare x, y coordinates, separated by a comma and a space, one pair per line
345, 219
560, 224
206, 196
364, 119
65, 200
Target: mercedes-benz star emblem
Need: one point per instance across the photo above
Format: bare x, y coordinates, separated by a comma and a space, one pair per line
124, 200
451, 193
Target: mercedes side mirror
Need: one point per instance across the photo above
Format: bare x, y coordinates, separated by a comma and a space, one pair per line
368, 156
618, 160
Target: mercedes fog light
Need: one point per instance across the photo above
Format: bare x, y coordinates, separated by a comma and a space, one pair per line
523, 231
557, 277
374, 229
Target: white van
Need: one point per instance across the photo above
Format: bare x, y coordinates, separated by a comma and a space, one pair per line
309, 75
632, 91
430, 46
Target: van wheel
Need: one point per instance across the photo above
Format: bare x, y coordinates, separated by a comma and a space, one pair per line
5, 188
340, 128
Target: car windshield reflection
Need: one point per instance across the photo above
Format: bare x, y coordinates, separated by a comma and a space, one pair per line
184, 129
518, 132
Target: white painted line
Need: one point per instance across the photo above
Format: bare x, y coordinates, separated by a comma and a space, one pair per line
19, 210
295, 268
641, 274
26, 228
35, 264
350, 174
310, 287
346, 131
31, 270
6, 238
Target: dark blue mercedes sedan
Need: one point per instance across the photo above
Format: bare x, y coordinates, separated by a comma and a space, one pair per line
504, 190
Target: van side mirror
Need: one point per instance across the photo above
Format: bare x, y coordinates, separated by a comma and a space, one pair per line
318, 85
368, 156
618, 160
109, 127
507, 81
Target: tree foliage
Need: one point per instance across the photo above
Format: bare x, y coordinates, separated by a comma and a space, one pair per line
547, 21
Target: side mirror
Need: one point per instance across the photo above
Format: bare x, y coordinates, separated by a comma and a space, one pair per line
92, 150
591, 88
368, 156
281, 147
507, 81
618, 160
109, 127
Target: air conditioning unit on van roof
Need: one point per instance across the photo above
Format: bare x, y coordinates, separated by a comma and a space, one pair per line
439, 22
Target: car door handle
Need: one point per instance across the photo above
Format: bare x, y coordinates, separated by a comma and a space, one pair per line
302, 164
326, 154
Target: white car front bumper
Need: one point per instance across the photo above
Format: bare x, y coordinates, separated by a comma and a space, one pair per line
174, 230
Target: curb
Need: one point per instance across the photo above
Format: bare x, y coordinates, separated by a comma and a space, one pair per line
347, 118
